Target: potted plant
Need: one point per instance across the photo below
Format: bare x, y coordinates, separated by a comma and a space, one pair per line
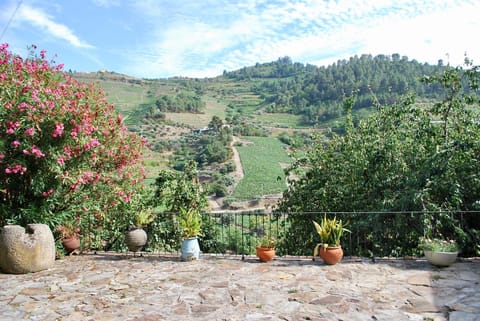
266, 248
439, 252
190, 222
136, 237
330, 232
69, 236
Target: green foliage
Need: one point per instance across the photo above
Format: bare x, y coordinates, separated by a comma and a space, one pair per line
182, 102
402, 158
316, 92
261, 164
218, 189
438, 245
211, 238
164, 233
206, 147
190, 222
330, 231
267, 241
176, 190
144, 217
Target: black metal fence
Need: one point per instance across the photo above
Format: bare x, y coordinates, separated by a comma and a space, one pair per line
372, 234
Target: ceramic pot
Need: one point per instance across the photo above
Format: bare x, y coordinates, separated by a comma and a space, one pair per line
71, 244
136, 239
190, 249
331, 255
441, 258
265, 254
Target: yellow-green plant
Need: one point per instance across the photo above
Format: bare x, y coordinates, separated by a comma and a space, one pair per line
330, 231
190, 222
267, 241
144, 217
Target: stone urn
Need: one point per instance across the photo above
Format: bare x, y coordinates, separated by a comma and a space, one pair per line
136, 239
26, 250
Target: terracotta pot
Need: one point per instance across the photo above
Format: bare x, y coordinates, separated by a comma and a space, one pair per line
265, 254
71, 244
331, 255
136, 239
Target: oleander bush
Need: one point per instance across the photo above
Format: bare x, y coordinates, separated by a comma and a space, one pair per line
65, 153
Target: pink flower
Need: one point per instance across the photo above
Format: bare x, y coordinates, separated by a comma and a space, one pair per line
30, 131
12, 126
58, 130
15, 143
61, 161
92, 143
16, 169
37, 152
47, 193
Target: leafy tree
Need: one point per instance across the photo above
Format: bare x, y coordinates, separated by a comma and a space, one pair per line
176, 190
180, 191
402, 158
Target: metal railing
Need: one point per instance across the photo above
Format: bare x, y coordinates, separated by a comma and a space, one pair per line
372, 234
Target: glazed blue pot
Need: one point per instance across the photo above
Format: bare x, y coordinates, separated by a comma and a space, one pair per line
190, 249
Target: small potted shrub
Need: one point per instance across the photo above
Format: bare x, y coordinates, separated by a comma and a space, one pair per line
190, 222
136, 237
330, 232
266, 248
70, 236
439, 252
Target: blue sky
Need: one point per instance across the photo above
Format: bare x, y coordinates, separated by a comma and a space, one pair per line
193, 38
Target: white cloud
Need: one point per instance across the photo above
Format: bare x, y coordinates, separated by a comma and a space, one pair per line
40, 19
204, 38
106, 3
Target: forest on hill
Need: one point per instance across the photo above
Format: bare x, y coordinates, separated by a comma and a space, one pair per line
278, 100
313, 93
316, 93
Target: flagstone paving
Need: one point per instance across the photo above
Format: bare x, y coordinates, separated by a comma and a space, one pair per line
122, 287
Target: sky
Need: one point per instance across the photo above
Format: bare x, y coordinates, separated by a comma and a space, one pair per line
202, 38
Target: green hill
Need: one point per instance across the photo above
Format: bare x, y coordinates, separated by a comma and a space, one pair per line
277, 99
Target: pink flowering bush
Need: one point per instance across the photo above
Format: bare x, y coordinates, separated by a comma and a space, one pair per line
64, 151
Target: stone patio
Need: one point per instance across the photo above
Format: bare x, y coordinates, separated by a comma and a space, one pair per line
111, 286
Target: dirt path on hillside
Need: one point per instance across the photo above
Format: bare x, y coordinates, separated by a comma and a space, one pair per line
238, 175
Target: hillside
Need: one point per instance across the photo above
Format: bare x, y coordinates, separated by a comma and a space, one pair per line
279, 94
280, 99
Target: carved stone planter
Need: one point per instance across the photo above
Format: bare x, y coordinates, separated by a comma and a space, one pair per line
441, 258
26, 250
